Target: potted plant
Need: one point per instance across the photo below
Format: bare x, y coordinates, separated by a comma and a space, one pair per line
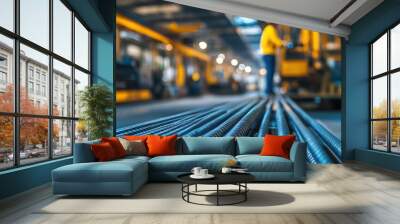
96, 103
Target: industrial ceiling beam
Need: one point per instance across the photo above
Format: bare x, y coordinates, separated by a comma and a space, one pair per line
268, 15
352, 10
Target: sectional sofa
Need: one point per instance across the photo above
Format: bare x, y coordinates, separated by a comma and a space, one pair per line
125, 176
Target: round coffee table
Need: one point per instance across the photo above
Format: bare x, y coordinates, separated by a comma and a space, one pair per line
238, 179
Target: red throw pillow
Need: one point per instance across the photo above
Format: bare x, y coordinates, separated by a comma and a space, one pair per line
161, 145
277, 145
116, 145
103, 152
135, 138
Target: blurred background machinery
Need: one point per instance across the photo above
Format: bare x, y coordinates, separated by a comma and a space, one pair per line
168, 51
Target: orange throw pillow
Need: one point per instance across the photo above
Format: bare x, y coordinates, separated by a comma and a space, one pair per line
116, 145
277, 145
103, 152
161, 145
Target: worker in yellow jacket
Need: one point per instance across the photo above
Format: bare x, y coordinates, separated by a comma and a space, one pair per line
268, 44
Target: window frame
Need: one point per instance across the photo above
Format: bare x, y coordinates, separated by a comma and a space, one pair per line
388, 74
16, 114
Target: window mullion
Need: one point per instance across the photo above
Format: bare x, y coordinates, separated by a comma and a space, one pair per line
50, 81
389, 106
73, 82
16, 85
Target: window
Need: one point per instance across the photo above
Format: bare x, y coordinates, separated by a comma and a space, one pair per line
62, 74
3, 78
7, 73
44, 91
385, 94
62, 137
7, 14
6, 142
37, 89
3, 61
30, 72
62, 29
49, 80
81, 45
3, 72
34, 21
30, 87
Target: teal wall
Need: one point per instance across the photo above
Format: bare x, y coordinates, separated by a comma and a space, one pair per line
99, 15
356, 85
27, 177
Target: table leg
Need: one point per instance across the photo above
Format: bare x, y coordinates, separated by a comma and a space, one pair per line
188, 189
245, 193
195, 188
217, 194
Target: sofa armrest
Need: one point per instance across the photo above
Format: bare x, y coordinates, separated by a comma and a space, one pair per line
298, 157
83, 153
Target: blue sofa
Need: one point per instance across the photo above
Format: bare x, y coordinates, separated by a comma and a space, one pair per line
125, 176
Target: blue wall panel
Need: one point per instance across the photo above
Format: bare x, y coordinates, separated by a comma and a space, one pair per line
24, 178
356, 135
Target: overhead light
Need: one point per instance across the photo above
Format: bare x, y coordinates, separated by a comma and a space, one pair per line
242, 67
247, 69
234, 62
219, 60
169, 47
221, 55
202, 45
157, 9
262, 71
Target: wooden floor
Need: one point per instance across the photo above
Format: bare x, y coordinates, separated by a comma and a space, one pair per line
378, 189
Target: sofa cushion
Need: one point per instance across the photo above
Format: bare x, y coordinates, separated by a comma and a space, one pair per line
249, 145
161, 145
103, 152
207, 145
277, 145
116, 145
257, 163
137, 147
83, 152
113, 171
185, 163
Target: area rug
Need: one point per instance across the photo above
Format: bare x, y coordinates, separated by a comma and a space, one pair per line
166, 198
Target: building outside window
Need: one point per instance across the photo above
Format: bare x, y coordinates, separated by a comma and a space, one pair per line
385, 93
30, 87
30, 72
3, 72
57, 127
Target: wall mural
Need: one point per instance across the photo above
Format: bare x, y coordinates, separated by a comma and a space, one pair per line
191, 72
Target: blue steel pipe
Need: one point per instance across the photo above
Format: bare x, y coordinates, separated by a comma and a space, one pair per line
265, 121
300, 138
163, 123
314, 145
154, 128
333, 142
223, 128
200, 123
182, 124
153, 123
175, 125
247, 121
281, 123
214, 123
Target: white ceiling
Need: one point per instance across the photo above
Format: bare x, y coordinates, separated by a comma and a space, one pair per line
309, 14
320, 9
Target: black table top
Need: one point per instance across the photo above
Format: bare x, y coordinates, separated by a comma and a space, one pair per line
220, 178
